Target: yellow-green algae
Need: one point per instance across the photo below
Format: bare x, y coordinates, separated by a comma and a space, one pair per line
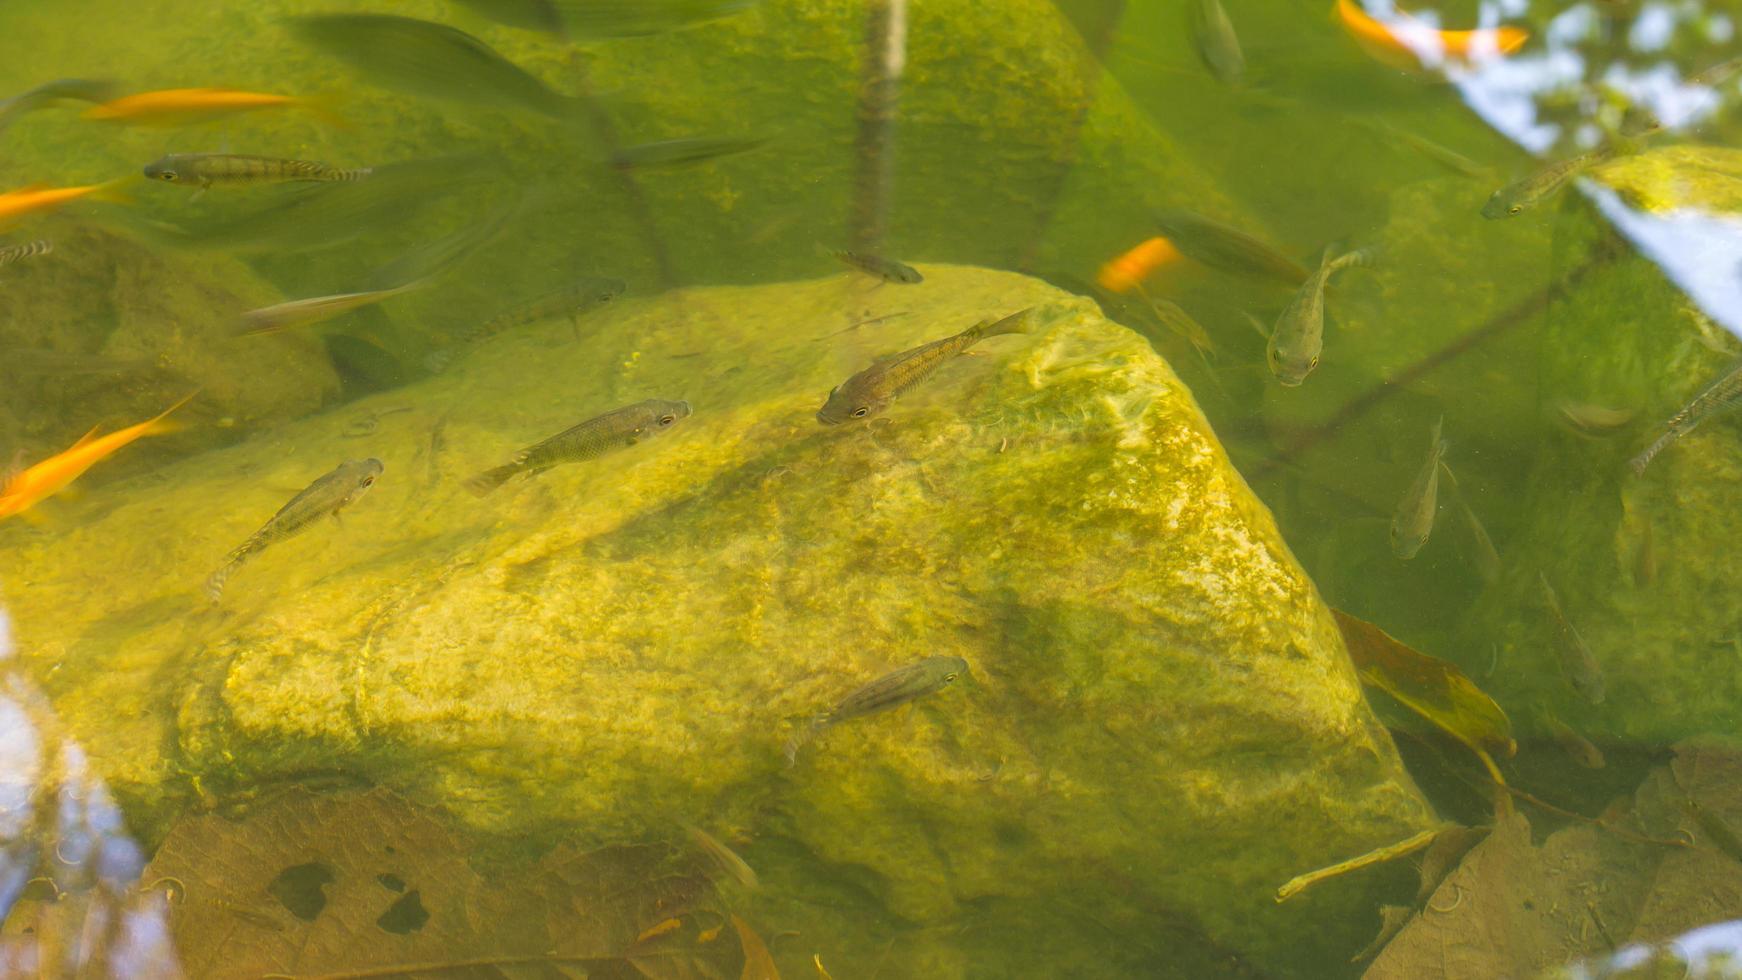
1160, 698
1704, 178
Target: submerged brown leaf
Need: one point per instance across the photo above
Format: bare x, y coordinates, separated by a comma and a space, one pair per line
1432, 688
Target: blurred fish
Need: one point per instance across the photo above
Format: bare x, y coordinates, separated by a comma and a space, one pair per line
1443, 155
1522, 195
1717, 75
1577, 746
679, 152
892, 690
183, 106
1128, 270
25, 250
1414, 520
429, 59
532, 15
1717, 398
38, 362
18, 204
326, 496
1486, 557
573, 301
1299, 335
1228, 249
1181, 324
886, 269
1577, 663
1216, 41
432, 258
48, 93
206, 169
595, 437
1595, 419
52, 475
871, 391
639, 18
300, 312
1403, 43
724, 856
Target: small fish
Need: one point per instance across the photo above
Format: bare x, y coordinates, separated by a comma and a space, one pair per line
595, 437
758, 961
299, 312
1718, 74
724, 856
1443, 155
26, 250
1229, 249
206, 169
1595, 419
871, 391
532, 15
183, 106
1299, 335
675, 153
1128, 270
1715, 399
1577, 663
1522, 195
49, 477
1177, 321
430, 59
1577, 746
892, 690
888, 270
16, 205
48, 93
1414, 519
326, 496
1402, 43
1217, 43
1487, 557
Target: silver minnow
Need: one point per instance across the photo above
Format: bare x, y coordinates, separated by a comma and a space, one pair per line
892, 690
606, 433
1414, 519
326, 496
1299, 335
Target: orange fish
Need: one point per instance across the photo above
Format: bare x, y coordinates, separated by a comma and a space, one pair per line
52, 475
1128, 271
24, 201
181, 106
1402, 42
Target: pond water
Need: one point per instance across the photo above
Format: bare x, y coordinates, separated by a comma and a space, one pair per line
870, 488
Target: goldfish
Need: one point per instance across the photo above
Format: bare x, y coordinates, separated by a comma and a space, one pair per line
872, 390
892, 690
724, 856
1577, 663
1217, 43
1229, 249
326, 496
1404, 44
24, 250
25, 201
206, 169
595, 437
1719, 397
1414, 520
1299, 335
886, 269
183, 106
52, 475
1128, 270
298, 312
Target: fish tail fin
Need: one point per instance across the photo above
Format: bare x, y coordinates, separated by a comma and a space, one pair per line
216, 581
162, 424
1438, 439
1641, 461
117, 191
1355, 257
801, 738
486, 482
325, 107
1018, 322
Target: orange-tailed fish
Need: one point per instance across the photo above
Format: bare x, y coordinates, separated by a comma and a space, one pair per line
1403, 42
52, 475
182, 106
1127, 271
18, 204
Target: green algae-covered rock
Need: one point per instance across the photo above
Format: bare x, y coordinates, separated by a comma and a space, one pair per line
1161, 724
1706, 178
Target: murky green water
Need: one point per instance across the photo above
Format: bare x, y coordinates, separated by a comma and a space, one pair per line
1152, 633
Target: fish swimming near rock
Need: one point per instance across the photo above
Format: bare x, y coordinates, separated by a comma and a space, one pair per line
1577, 663
892, 690
206, 169
24, 250
1229, 249
595, 437
1128, 269
872, 390
183, 106
1217, 44
314, 309
1298, 338
1717, 398
682, 152
886, 269
727, 859
1414, 520
1527, 192
325, 497
47, 478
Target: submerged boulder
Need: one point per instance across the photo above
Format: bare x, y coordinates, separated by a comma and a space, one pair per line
1160, 727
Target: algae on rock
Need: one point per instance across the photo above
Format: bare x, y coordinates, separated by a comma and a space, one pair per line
617, 643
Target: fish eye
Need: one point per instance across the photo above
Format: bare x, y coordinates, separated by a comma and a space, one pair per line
368, 482
169, 175
860, 413
1314, 362
667, 419
1515, 209
950, 677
